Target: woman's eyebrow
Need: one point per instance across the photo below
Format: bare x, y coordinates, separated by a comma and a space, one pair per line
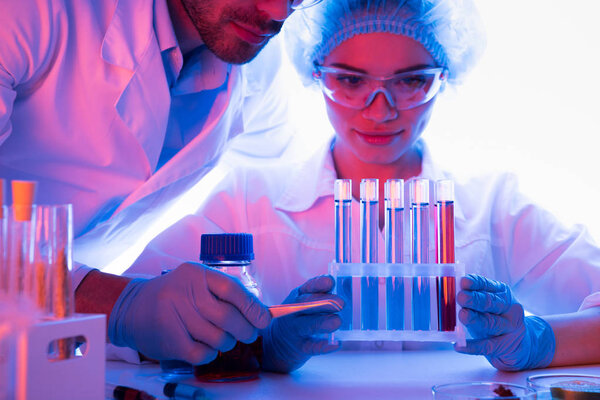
398, 71
348, 67
414, 68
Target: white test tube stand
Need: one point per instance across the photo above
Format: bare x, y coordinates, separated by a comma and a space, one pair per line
81, 377
357, 271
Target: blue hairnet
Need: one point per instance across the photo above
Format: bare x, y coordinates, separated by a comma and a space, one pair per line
451, 30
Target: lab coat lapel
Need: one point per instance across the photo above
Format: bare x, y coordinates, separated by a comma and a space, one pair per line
224, 121
138, 216
144, 102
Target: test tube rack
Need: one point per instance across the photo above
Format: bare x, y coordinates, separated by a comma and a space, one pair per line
395, 313
38, 375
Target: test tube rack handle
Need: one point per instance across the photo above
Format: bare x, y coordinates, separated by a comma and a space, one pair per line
38, 376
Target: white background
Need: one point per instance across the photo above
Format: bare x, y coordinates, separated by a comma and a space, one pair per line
530, 106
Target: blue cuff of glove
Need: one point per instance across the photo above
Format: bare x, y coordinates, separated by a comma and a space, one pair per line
117, 329
543, 342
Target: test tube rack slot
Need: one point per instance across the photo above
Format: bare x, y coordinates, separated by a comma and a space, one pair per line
394, 301
41, 376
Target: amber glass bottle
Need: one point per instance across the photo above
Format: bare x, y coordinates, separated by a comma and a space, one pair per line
231, 253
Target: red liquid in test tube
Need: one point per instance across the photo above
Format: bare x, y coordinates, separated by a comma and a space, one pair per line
446, 285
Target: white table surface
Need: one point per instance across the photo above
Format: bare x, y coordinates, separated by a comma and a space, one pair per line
348, 375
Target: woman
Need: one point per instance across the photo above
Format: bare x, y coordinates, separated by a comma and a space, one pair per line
381, 65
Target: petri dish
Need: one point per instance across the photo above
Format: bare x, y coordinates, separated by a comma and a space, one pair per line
565, 386
482, 391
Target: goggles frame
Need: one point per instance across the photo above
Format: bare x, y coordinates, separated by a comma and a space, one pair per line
439, 78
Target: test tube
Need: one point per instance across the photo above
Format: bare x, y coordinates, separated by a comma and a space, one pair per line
446, 285
419, 212
369, 230
21, 238
342, 195
49, 267
394, 234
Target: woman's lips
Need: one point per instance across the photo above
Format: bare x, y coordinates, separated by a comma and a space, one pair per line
250, 35
379, 138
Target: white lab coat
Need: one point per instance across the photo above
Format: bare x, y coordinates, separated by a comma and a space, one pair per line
85, 105
289, 209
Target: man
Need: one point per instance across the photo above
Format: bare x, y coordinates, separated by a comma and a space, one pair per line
120, 107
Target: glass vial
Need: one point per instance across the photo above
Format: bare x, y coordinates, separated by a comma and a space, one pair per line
394, 241
446, 285
369, 234
419, 213
343, 244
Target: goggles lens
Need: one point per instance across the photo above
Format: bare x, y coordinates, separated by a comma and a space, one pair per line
404, 91
301, 4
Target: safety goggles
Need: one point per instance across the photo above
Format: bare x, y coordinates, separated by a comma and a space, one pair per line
301, 4
357, 90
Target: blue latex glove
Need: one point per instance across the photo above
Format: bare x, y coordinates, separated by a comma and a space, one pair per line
501, 332
289, 342
188, 314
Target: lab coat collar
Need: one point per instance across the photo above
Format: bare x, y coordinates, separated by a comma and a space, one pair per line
314, 178
214, 72
126, 41
167, 41
199, 70
163, 26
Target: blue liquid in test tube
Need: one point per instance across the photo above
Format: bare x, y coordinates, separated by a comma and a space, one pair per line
343, 245
394, 234
369, 230
419, 212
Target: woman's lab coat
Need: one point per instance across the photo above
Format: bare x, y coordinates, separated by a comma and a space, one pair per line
85, 103
290, 211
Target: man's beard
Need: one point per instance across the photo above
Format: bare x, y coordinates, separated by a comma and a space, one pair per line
211, 27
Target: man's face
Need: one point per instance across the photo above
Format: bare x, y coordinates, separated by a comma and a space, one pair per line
236, 30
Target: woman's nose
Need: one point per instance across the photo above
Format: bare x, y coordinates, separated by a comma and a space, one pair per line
380, 109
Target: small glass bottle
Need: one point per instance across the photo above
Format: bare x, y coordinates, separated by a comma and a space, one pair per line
232, 254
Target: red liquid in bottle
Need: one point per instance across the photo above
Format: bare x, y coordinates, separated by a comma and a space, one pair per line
237, 364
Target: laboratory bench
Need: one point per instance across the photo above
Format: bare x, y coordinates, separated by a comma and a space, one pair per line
346, 375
